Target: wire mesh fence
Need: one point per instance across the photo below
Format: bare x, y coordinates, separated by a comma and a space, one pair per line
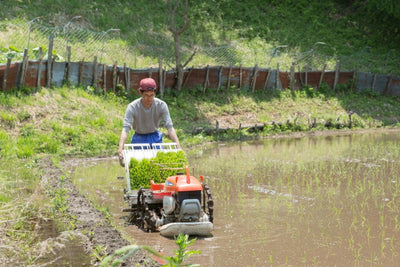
108, 47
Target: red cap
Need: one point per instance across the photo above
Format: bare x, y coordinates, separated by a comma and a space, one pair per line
148, 84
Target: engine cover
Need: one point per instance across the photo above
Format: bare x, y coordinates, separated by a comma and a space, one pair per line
190, 210
168, 205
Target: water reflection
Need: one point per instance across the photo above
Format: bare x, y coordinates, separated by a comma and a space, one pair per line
310, 201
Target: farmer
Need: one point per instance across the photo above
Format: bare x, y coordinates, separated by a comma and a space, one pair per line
144, 116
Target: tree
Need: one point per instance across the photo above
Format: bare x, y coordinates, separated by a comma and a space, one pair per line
179, 22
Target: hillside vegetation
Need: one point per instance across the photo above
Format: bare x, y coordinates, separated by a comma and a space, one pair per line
54, 123
363, 34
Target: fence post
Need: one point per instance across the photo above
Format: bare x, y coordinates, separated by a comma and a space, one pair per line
49, 60
253, 82
301, 84
80, 72
187, 77
125, 76
292, 77
94, 81
321, 78
114, 79
266, 79
240, 76
306, 75
388, 84
219, 78
160, 78
21, 80
228, 84
277, 76
128, 78
205, 80
337, 73
354, 80
373, 82
68, 65
164, 77
7, 70
39, 72
105, 78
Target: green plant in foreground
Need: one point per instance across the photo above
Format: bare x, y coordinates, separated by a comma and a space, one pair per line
122, 254
98, 253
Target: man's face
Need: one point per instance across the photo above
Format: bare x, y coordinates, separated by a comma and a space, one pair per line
147, 97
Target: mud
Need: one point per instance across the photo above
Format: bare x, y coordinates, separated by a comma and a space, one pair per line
89, 221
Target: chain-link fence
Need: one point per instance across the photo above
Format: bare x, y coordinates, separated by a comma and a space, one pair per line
108, 47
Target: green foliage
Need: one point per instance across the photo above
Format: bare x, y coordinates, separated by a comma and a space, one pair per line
8, 119
165, 164
59, 198
10, 52
182, 253
343, 27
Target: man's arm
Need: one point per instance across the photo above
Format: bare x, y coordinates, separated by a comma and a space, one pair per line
172, 135
122, 141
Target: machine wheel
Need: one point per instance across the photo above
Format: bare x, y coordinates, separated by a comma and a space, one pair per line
210, 203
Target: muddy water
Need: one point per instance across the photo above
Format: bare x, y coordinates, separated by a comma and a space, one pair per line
318, 201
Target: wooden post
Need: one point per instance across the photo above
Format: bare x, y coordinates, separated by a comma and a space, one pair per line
228, 84
277, 76
267, 79
68, 65
21, 80
49, 60
292, 77
117, 80
306, 75
337, 73
219, 78
300, 79
160, 78
388, 84
105, 78
240, 77
7, 70
254, 79
39, 72
165, 79
373, 82
114, 76
206, 80
128, 78
94, 81
125, 80
187, 77
321, 78
80, 72
150, 72
354, 80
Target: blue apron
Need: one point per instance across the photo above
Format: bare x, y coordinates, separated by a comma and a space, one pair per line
149, 138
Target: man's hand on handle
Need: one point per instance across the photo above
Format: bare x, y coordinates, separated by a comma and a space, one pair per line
122, 140
121, 159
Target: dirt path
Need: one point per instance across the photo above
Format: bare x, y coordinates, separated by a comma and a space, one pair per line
89, 221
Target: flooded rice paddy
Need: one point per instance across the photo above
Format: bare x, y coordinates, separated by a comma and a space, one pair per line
314, 201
